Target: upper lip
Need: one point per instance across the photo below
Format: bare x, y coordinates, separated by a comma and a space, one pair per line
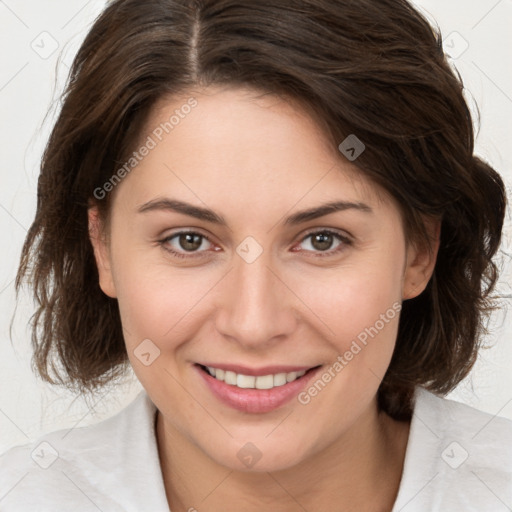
256, 372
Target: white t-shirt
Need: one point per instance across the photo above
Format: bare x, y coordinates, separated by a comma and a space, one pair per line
458, 459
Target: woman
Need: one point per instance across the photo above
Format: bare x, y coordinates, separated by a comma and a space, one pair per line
271, 212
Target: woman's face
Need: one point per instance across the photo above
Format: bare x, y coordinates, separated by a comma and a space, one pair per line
258, 287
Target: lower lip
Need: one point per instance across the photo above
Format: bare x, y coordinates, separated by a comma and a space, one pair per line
256, 400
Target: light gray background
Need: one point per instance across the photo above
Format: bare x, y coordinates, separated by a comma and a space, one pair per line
36, 36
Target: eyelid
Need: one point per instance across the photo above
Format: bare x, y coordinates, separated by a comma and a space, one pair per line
185, 231
334, 231
184, 254
344, 238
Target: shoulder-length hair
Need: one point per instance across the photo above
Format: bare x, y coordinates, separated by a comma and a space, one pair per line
374, 68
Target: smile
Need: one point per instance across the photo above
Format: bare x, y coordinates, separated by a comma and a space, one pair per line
271, 388
251, 381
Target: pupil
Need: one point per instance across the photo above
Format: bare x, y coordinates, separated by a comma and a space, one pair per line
190, 241
322, 241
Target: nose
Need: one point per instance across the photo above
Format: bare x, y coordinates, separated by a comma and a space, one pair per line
256, 307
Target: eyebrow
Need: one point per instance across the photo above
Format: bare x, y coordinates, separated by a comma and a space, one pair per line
208, 215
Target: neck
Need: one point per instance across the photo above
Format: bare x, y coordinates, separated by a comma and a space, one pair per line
360, 471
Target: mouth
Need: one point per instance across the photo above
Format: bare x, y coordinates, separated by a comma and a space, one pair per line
264, 380
266, 390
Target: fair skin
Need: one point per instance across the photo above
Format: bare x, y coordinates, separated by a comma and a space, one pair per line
255, 161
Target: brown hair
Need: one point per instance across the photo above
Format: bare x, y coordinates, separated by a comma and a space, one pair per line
374, 68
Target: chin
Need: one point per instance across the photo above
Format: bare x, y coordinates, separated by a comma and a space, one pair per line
252, 457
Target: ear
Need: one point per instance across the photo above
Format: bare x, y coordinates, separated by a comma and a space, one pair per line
102, 256
421, 260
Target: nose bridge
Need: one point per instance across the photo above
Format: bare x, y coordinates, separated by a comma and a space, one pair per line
256, 306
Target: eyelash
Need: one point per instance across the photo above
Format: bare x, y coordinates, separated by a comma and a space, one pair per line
317, 254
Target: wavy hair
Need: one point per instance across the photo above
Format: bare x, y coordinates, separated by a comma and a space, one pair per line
374, 68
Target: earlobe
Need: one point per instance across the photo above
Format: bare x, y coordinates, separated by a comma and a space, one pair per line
101, 252
421, 261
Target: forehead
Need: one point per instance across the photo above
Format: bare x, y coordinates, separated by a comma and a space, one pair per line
240, 143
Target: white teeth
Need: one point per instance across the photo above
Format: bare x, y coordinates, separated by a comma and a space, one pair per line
252, 382
279, 379
266, 381
291, 376
230, 378
245, 381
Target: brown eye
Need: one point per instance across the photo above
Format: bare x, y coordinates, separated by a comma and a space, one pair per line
328, 242
322, 241
185, 242
190, 241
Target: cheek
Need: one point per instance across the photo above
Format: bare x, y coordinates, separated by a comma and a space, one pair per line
147, 302
360, 310
150, 304
162, 304
158, 302
360, 303
157, 313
